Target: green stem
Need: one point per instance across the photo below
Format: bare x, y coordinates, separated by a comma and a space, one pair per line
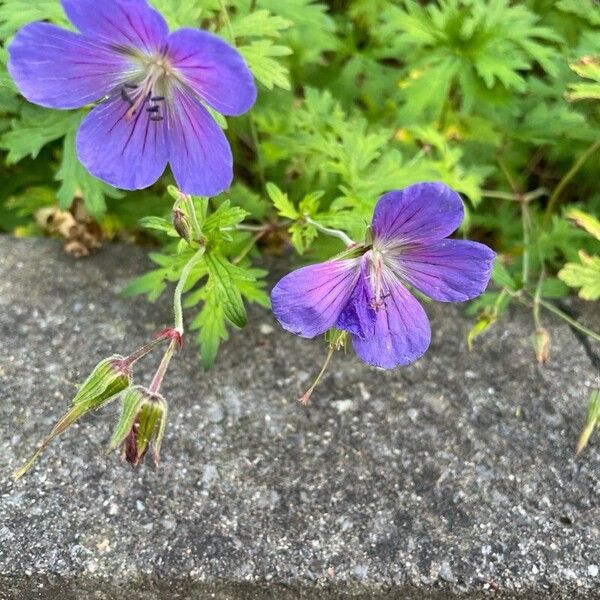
259, 158
525, 218
416, 158
533, 195
248, 248
511, 182
549, 306
537, 299
185, 273
526, 240
566, 179
538, 288
334, 232
305, 398
227, 20
244, 227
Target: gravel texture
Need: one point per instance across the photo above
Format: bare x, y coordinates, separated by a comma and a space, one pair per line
453, 477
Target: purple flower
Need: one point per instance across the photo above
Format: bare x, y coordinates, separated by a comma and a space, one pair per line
365, 293
153, 84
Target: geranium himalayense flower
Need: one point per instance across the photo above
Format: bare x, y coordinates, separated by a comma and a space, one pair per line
364, 291
152, 84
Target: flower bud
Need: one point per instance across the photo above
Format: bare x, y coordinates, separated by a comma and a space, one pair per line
541, 344
181, 224
109, 377
141, 425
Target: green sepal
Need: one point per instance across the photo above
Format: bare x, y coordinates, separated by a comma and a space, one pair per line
143, 414
108, 378
149, 419
131, 402
160, 432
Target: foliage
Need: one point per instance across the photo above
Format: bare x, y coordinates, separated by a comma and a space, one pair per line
586, 273
495, 98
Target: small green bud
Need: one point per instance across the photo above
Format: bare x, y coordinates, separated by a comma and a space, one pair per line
141, 425
181, 224
110, 377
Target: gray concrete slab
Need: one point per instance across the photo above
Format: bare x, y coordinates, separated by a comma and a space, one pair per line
454, 476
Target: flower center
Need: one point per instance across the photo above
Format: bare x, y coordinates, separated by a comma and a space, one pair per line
377, 265
149, 93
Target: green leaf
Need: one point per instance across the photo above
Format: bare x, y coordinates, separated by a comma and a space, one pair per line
260, 23
585, 221
211, 326
152, 284
180, 13
224, 216
481, 48
309, 205
159, 224
224, 276
585, 276
553, 288
253, 292
502, 277
313, 31
260, 56
303, 236
16, 13
584, 9
285, 208
482, 324
77, 182
36, 127
587, 67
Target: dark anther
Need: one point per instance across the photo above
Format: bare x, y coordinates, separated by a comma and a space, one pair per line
131, 86
156, 118
157, 98
125, 96
153, 109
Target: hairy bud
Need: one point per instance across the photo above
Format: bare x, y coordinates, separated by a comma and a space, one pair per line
141, 425
181, 224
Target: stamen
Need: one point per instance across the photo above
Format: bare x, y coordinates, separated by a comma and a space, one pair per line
126, 97
376, 279
140, 97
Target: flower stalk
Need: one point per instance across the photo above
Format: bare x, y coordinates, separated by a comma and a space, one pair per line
162, 368
329, 231
185, 273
